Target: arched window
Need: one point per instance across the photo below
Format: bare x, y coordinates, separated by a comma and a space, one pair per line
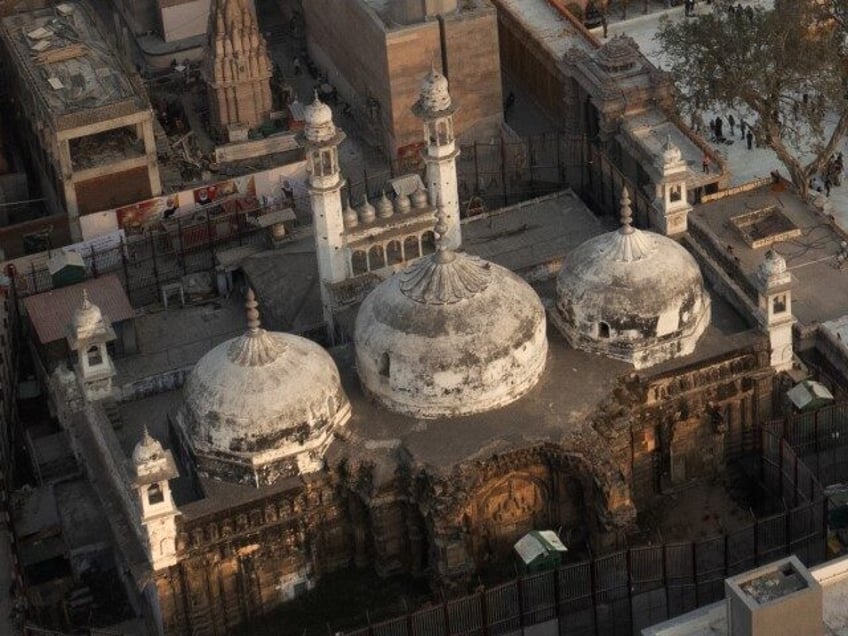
675, 194
442, 129
385, 365
779, 304
603, 330
428, 243
393, 253
155, 495
94, 356
376, 257
358, 263
410, 247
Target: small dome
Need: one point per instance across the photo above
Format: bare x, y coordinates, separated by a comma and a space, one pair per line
419, 199
434, 96
772, 271
385, 209
349, 216
265, 403
88, 319
367, 214
632, 295
147, 450
318, 121
618, 54
402, 204
671, 154
451, 335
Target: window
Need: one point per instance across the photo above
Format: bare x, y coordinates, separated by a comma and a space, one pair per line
385, 365
95, 358
779, 305
603, 330
155, 495
675, 193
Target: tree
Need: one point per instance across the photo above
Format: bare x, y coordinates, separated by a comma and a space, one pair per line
788, 68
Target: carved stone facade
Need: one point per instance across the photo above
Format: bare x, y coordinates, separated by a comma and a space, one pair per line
657, 431
238, 68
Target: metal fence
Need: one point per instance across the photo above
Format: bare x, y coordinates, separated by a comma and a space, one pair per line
820, 440
626, 591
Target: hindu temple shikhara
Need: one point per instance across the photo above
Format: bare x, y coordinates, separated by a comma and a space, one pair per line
452, 421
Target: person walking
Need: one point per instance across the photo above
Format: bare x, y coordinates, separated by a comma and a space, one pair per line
742, 126
732, 122
705, 163
750, 139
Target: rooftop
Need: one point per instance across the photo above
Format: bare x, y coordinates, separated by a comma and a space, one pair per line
711, 620
811, 257
51, 312
70, 65
552, 31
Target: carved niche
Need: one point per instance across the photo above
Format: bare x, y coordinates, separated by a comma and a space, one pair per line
502, 511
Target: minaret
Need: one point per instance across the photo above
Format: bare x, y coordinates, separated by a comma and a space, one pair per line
237, 68
152, 467
774, 284
435, 108
671, 205
322, 139
87, 335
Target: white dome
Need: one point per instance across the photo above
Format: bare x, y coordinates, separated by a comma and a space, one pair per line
671, 154
772, 271
318, 121
632, 295
434, 96
269, 401
88, 319
452, 335
147, 450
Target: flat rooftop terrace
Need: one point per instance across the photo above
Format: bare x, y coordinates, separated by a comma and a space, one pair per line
550, 29
69, 65
819, 283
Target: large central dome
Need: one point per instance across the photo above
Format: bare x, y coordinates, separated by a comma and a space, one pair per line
451, 335
262, 406
632, 295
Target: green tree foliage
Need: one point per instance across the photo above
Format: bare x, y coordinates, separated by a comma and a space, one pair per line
787, 67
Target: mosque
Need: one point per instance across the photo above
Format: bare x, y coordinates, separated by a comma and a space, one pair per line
467, 408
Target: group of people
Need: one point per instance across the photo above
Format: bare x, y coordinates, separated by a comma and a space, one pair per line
717, 130
831, 175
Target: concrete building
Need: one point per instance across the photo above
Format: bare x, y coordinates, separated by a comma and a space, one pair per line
779, 599
375, 52
607, 91
85, 117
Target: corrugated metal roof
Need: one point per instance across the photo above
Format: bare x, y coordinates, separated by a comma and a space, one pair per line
51, 312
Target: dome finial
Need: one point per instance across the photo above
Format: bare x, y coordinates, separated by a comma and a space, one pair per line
315, 98
86, 303
443, 254
626, 213
252, 313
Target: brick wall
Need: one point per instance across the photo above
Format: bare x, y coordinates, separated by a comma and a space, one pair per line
113, 190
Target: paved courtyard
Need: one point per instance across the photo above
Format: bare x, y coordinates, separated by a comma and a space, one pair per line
745, 165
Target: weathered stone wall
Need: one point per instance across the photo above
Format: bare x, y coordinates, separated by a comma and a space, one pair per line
113, 190
689, 424
238, 564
